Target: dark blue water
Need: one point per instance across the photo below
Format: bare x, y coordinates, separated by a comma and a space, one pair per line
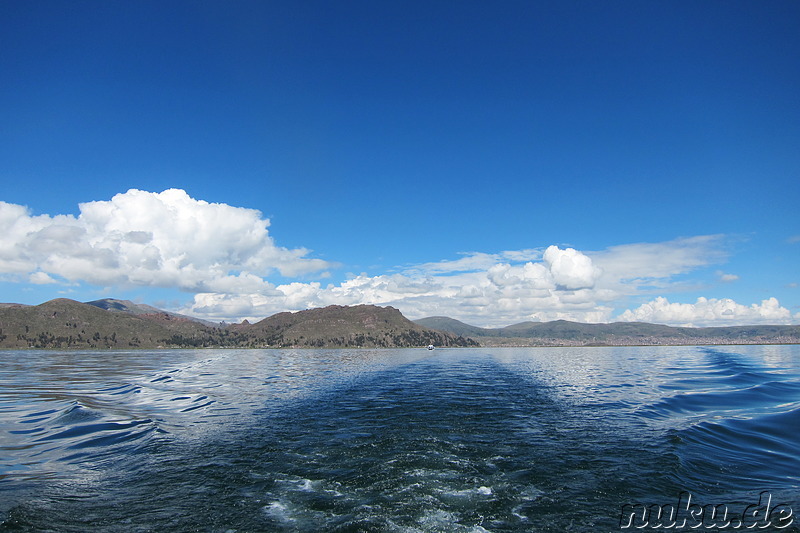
395, 440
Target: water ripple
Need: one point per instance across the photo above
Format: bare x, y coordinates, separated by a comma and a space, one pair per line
388, 440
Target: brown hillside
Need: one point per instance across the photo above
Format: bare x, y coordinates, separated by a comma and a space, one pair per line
64, 323
346, 326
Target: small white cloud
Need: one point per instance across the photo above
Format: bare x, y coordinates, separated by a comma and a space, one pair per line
726, 278
41, 278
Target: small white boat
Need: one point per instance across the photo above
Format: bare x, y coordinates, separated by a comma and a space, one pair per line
430, 346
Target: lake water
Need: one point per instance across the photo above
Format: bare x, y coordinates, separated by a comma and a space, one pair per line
483, 439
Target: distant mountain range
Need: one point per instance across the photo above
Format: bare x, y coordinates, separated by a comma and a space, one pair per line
120, 324
565, 333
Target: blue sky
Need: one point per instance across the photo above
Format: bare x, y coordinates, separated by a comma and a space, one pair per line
491, 162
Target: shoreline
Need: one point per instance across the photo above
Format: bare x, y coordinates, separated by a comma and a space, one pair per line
564, 344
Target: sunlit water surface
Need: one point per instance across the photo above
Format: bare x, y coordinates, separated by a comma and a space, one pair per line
540, 439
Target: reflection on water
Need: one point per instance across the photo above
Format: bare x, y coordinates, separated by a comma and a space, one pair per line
389, 440
55, 402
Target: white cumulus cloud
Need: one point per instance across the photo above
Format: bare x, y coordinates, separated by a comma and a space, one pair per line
141, 238
708, 312
570, 269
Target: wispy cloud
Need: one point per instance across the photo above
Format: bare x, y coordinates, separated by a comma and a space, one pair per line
644, 261
472, 262
726, 278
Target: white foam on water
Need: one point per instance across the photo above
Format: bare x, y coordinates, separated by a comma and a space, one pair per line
527, 495
531, 493
297, 483
443, 521
467, 493
437, 517
516, 512
279, 511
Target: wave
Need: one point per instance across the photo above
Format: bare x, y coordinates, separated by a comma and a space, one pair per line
732, 420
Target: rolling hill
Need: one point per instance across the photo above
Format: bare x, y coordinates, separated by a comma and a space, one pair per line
119, 324
64, 323
342, 326
566, 333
